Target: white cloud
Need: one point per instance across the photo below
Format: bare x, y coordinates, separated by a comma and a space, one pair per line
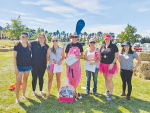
48, 20
92, 6
117, 29
148, 31
143, 9
5, 21
20, 13
57, 8
16, 12
40, 2
141, 6
36, 23
62, 10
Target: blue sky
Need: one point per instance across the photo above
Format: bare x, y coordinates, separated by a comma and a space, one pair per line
99, 15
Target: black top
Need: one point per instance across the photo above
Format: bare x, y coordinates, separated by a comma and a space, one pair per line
39, 54
23, 55
76, 45
108, 55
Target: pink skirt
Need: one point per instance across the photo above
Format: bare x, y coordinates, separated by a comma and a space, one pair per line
103, 68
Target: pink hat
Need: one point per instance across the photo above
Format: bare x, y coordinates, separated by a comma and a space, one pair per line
92, 40
106, 37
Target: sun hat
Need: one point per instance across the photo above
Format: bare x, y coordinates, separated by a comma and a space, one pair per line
126, 43
73, 34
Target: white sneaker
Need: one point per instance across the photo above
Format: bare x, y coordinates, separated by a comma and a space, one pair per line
106, 93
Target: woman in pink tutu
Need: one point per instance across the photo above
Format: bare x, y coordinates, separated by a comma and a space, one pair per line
107, 66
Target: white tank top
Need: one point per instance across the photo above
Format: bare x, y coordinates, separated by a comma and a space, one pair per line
91, 55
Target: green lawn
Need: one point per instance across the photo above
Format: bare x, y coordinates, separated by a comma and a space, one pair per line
139, 103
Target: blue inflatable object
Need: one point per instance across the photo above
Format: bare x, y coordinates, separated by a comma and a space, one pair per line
80, 25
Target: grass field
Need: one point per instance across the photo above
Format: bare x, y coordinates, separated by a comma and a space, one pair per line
139, 103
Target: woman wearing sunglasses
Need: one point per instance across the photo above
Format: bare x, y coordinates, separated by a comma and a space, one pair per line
39, 62
107, 66
92, 56
55, 55
22, 64
76, 48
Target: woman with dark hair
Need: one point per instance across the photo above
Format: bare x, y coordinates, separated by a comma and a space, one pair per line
126, 65
107, 65
22, 64
55, 55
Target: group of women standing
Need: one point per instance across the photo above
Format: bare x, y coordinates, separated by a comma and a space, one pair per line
35, 55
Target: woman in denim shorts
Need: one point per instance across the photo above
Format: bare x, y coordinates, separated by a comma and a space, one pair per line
22, 64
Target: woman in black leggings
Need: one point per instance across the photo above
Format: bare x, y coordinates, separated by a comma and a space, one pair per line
126, 67
39, 62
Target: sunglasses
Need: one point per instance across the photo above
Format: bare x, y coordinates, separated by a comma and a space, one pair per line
74, 36
92, 42
55, 40
25, 37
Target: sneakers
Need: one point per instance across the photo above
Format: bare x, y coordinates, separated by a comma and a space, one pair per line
106, 93
110, 98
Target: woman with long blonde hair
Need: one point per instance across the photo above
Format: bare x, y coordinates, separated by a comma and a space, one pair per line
55, 55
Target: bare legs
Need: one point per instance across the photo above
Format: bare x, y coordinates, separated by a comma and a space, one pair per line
109, 84
18, 83
50, 80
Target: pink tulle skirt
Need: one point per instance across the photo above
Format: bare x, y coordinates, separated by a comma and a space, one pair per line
103, 68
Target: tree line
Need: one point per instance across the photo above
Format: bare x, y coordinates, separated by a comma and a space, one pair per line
12, 31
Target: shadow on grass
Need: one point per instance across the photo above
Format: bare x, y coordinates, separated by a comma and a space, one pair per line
88, 104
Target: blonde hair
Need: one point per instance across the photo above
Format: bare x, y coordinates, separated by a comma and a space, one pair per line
52, 48
42, 33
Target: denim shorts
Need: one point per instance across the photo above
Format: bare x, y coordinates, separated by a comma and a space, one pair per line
24, 69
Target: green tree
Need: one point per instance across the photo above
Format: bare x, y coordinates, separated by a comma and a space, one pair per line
128, 34
83, 39
39, 30
99, 35
15, 29
96, 40
33, 37
49, 37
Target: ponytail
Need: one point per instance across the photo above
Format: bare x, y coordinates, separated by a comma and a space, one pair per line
53, 50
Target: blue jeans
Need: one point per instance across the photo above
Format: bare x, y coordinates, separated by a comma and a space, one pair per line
88, 75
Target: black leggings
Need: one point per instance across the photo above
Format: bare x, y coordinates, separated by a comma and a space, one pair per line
126, 76
37, 72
